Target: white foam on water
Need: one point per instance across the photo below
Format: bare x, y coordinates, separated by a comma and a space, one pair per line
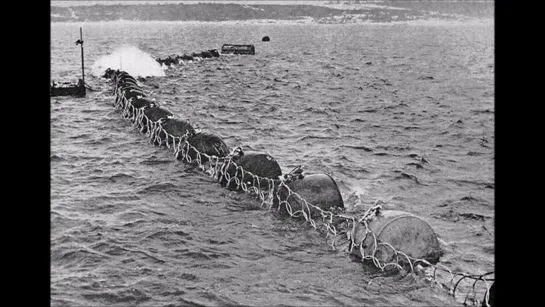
130, 59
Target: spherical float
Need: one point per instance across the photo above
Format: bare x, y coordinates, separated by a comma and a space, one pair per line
129, 93
319, 190
187, 57
215, 53
173, 127
154, 114
403, 231
206, 54
139, 103
206, 143
257, 163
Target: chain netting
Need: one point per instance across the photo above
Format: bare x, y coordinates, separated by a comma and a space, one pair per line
275, 194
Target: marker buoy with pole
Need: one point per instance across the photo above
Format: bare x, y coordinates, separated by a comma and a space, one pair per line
80, 42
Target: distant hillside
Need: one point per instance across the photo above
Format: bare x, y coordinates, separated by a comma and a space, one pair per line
467, 7
188, 12
229, 11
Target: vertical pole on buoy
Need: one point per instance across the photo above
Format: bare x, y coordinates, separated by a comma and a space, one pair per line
80, 41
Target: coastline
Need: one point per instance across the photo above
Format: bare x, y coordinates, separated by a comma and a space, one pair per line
379, 12
304, 21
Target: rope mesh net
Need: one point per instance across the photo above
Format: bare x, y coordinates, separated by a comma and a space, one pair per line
340, 225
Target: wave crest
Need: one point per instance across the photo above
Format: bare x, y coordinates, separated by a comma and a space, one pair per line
130, 59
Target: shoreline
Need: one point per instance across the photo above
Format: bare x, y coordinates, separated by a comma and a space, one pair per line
221, 12
272, 22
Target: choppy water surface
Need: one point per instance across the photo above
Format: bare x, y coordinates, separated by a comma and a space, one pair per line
402, 113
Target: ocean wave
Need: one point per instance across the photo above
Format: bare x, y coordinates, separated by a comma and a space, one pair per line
56, 158
131, 296
76, 256
478, 183
121, 177
405, 175
158, 188
130, 59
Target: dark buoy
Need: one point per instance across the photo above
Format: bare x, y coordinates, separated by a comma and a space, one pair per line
176, 128
206, 54
215, 53
319, 190
265, 39
206, 143
131, 92
143, 103
257, 163
404, 231
108, 73
154, 114
186, 57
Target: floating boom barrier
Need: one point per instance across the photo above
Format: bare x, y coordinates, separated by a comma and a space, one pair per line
185, 58
387, 239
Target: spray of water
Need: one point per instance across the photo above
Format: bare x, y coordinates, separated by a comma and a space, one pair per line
130, 59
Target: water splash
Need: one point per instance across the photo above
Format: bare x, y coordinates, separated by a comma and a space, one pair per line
353, 192
130, 59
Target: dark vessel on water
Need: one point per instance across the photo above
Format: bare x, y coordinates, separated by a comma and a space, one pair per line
67, 88
237, 49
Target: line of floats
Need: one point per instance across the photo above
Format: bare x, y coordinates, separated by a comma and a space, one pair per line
385, 238
238, 168
382, 237
212, 53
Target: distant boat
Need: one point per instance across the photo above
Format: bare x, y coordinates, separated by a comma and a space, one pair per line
67, 88
237, 49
